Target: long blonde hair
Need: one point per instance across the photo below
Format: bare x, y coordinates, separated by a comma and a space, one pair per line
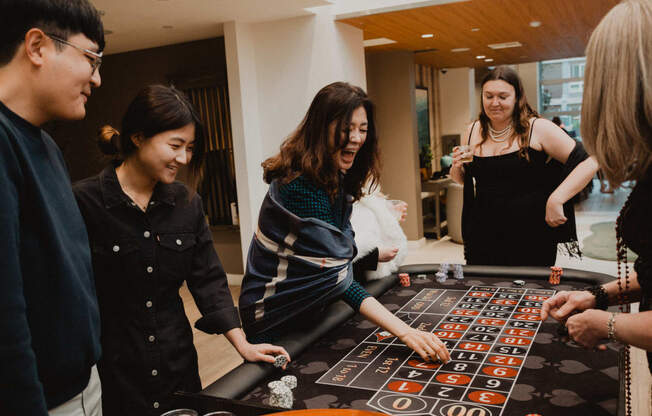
617, 103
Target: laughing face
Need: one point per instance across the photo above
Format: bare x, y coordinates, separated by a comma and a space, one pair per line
163, 154
356, 131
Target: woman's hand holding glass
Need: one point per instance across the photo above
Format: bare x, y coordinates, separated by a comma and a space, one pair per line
462, 154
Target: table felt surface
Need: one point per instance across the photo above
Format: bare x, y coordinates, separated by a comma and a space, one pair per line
549, 375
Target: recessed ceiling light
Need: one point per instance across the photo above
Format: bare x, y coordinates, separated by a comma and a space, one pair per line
475, 29
427, 35
377, 42
535, 23
489, 60
460, 49
480, 57
167, 27
505, 45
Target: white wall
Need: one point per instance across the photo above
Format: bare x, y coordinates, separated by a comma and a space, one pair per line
274, 70
457, 100
391, 87
529, 74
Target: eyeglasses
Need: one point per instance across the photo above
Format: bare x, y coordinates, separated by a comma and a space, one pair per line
94, 57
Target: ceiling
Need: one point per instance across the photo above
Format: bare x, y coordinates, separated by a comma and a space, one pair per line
141, 24
565, 27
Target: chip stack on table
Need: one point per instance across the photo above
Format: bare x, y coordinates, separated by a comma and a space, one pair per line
280, 395
555, 275
458, 272
444, 267
441, 277
404, 278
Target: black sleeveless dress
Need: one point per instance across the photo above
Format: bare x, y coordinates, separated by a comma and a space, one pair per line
506, 225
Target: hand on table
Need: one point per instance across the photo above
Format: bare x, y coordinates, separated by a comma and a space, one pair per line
386, 254
588, 328
426, 344
263, 352
555, 213
564, 303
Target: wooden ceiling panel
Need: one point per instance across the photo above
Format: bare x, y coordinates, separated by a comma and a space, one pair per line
565, 29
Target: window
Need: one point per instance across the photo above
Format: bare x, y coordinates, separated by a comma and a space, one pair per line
561, 82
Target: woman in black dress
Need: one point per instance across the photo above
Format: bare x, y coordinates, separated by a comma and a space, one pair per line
617, 129
522, 173
148, 236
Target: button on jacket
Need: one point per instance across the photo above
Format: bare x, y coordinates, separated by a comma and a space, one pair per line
140, 260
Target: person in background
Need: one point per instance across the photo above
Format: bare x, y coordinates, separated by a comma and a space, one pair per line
617, 130
149, 235
561, 125
300, 259
50, 52
381, 242
516, 207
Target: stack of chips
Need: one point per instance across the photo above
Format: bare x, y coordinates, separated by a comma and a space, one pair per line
444, 267
458, 272
441, 276
280, 361
281, 392
280, 395
555, 275
405, 279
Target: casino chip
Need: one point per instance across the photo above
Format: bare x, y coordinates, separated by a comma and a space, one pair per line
519, 282
289, 381
404, 279
281, 396
280, 361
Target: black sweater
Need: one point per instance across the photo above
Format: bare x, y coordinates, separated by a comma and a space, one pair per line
49, 320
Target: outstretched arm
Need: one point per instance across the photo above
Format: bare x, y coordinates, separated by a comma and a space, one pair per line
254, 352
426, 344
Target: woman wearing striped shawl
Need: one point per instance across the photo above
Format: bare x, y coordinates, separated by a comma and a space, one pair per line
300, 258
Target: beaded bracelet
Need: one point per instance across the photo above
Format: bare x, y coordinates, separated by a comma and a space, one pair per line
611, 327
601, 297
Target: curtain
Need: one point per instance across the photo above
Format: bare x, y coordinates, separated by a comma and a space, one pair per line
217, 187
428, 77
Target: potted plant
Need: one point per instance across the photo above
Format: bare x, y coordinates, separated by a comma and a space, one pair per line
425, 162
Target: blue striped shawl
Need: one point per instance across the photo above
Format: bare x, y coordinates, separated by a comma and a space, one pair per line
294, 265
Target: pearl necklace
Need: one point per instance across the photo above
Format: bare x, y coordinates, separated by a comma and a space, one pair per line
500, 136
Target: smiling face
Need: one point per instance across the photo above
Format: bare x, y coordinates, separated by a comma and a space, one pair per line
161, 156
356, 132
498, 100
68, 78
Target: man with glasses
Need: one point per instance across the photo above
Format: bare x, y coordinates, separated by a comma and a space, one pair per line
50, 52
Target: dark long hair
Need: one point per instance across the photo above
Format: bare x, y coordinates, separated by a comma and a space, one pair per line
309, 152
155, 109
522, 110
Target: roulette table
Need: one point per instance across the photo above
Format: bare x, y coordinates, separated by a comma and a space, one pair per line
505, 360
